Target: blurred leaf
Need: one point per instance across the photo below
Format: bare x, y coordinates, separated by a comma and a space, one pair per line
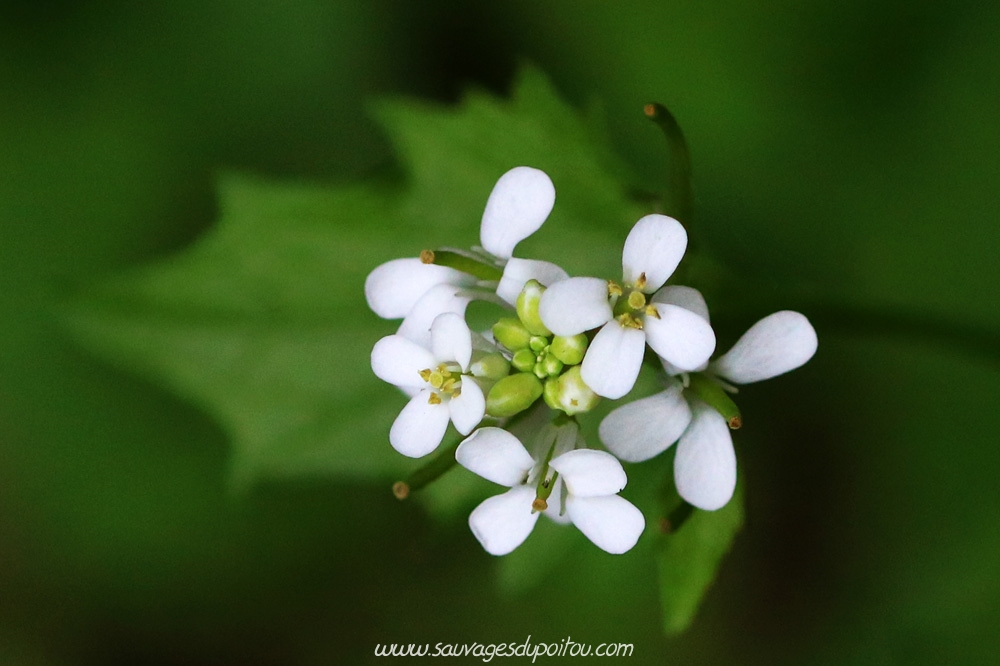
263, 322
688, 560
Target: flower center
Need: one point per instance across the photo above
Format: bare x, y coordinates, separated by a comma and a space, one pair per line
630, 305
446, 380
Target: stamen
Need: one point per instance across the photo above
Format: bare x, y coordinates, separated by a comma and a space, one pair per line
628, 321
434, 399
425, 374
652, 311
614, 289
640, 283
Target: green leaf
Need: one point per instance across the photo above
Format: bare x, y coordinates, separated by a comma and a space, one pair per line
263, 323
687, 560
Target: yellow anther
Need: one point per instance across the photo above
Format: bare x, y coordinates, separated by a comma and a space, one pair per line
457, 392
614, 289
640, 283
628, 321
425, 374
434, 399
448, 385
651, 311
427, 256
636, 300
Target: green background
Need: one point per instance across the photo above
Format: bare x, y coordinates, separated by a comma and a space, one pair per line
846, 151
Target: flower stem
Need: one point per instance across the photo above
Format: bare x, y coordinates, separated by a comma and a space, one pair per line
463, 263
430, 471
680, 196
673, 522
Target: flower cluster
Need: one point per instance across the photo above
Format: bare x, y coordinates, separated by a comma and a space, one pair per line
566, 343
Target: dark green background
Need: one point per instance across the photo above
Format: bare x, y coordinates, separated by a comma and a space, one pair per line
849, 149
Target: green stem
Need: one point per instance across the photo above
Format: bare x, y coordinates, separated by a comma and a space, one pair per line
678, 517
463, 263
430, 471
680, 196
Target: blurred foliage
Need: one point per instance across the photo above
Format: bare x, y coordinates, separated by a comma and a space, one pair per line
849, 148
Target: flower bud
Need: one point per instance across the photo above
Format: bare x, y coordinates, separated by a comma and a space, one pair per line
491, 366
569, 393
511, 333
527, 308
524, 360
551, 365
538, 343
513, 394
569, 349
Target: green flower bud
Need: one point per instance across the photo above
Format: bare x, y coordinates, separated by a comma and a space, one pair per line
569, 393
527, 308
511, 333
538, 343
551, 365
569, 350
490, 366
524, 360
513, 394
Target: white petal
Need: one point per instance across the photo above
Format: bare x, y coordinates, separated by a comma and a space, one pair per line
611, 522
590, 473
688, 298
645, 428
496, 455
517, 207
399, 361
680, 336
518, 271
705, 466
393, 288
419, 427
613, 360
451, 339
502, 523
468, 409
575, 305
438, 300
774, 345
655, 246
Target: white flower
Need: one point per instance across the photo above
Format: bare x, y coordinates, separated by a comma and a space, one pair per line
585, 491
628, 319
408, 288
705, 463
436, 379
